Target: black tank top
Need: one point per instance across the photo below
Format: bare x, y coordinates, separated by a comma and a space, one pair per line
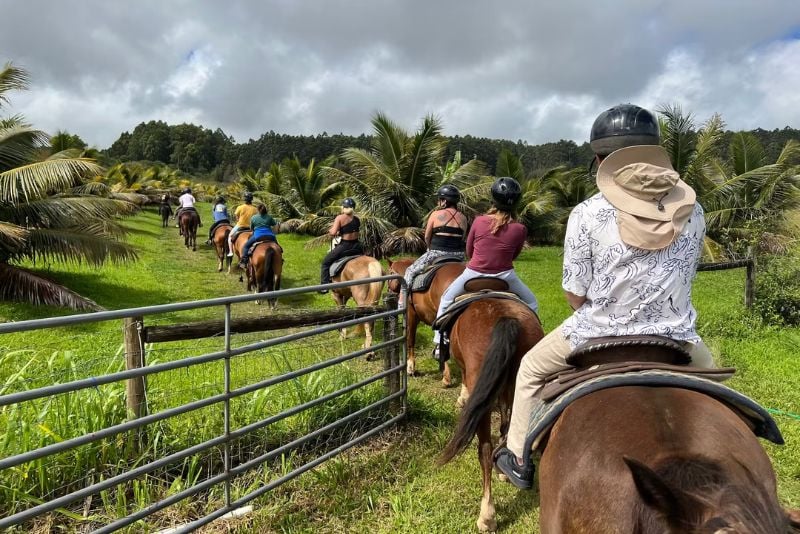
448, 243
352, 226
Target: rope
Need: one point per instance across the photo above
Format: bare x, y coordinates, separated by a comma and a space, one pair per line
781, 412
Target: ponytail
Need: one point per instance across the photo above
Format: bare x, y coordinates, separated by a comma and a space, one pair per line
262, 209
499, 218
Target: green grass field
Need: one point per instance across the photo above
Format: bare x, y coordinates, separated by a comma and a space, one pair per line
389, 485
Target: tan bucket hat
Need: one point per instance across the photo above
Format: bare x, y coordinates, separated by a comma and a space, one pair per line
653, 203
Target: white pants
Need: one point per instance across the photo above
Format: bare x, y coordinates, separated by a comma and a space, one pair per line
456, 288
548, 356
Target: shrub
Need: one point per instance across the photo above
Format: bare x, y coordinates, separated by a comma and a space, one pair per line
778, 289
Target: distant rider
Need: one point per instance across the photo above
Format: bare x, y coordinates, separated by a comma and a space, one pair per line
242, 215
219, 211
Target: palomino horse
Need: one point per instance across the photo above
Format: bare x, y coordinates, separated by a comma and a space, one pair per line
264, 269
220, 241
238, 245
364, 294
188, 222
488, 340
423, 305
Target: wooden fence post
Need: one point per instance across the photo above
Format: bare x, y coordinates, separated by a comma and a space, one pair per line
134, 359
391, 356
750, 283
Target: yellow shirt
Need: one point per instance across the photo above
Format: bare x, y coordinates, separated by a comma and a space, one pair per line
243, 215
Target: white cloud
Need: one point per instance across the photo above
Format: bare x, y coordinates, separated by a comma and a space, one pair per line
193, 74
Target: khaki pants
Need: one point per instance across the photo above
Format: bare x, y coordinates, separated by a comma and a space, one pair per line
548, 357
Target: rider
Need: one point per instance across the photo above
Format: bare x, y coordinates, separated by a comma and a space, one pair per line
242, 214
264, 228
493, 242
219, 211
630, 255
345, 226
186, 202
444, 233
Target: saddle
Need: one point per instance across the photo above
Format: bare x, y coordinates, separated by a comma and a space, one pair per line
263, 239
338, 266
423, 279
477, 289
651, 361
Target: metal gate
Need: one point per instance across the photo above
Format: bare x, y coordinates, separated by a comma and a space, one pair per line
227, 416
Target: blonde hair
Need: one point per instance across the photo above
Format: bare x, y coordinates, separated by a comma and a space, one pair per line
499, 218
347, 211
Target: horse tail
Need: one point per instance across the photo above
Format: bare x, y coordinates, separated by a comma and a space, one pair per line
267, 279
375, 270
225, 248
494, 375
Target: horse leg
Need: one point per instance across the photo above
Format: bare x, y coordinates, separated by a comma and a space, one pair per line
463, 397
411, 339
368, 340
446, 380
486, 519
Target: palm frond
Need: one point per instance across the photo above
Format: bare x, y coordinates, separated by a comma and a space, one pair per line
508, 164
746, 152
40, 178
21, 285
409, 240
388, 142
677, 135
18, 143
63, 212
12, 79
75, 245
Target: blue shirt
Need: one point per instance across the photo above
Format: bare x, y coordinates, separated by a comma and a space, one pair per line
262, 225
220, 212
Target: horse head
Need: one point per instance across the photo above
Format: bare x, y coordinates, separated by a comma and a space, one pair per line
398, 266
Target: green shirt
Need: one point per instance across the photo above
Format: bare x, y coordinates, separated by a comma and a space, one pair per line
262, 225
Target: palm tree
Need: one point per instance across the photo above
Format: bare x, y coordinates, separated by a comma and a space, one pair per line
46, 212
393, 183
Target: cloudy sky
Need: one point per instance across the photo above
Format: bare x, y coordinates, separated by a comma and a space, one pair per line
532, 70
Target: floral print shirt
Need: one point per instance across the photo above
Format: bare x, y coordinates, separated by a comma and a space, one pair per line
630, 291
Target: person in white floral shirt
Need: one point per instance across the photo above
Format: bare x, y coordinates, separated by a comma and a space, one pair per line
630, 255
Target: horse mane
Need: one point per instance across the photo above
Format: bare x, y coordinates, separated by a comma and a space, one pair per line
706, 500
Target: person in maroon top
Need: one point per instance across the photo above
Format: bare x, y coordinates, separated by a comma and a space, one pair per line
493, 242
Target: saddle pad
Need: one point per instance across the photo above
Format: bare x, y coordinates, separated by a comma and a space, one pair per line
258, 242
546, 414
338, 265
422, 281
446, 320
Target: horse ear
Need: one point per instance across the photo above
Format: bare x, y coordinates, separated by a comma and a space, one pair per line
678, 508
390, 261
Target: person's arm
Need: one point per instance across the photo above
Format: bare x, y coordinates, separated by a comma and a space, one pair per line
521, 243
471, 240
429, 230
275, 226
577, 271
337, 224
575, 301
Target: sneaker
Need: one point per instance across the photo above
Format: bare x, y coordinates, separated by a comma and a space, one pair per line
506, 462
230, 254
323, 291
436, 354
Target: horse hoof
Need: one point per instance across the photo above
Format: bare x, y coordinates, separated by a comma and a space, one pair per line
446, 383
371, 356
487, 525
411, 369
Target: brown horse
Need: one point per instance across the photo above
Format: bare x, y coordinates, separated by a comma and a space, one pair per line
423, 305
220, 241
364, 294
264, 269
488, 341
638, 459
188, 221
238, 244
650, 460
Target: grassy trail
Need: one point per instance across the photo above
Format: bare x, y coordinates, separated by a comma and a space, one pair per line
392, 484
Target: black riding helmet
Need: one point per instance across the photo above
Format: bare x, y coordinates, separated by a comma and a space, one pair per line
621, 126
506, 192
449, 193
220, 200
349, 203
187, 191
248, 196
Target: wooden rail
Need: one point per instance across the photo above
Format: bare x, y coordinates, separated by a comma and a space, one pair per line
750, 277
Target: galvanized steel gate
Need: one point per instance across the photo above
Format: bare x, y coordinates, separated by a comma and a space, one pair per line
370, 402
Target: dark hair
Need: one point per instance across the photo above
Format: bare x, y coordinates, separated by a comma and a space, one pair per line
262, 209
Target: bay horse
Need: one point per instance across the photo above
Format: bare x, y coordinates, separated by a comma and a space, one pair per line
188, 221
650, 460
220, 241
423, 305
238, 244
264, 269
364, 294
488, 341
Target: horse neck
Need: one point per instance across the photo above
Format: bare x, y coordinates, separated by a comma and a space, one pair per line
710, 499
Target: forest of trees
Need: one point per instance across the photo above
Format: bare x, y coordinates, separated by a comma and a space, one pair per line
201, 151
